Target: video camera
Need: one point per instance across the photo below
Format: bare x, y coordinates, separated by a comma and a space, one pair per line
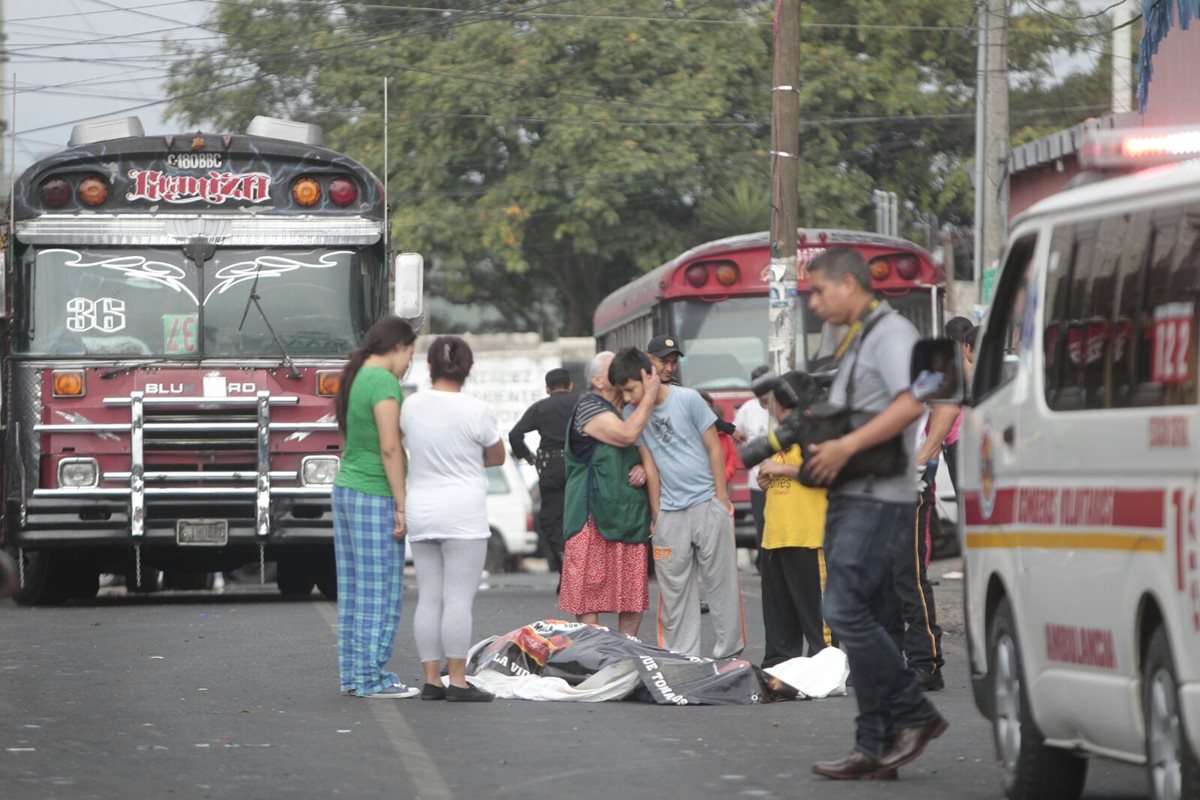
796, 391
813, 421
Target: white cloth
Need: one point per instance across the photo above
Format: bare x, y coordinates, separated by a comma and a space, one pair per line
822, 675
753, 420
445, 434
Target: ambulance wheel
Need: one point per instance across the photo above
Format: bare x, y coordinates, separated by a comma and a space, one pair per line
1171, 765
1032, 769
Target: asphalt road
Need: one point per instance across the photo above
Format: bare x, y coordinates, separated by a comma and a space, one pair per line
196, 695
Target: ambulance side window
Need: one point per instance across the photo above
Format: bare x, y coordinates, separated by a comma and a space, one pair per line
1010, 333
1126, 354
1167, 353
1078, 307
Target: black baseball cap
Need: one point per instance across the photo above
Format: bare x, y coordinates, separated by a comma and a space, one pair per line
663, 346
557, 377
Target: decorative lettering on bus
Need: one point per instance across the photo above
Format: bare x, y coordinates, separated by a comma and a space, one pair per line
215, 187
1088, 647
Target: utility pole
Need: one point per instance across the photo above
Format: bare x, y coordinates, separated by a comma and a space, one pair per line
785, 169
1122, 58
991, 187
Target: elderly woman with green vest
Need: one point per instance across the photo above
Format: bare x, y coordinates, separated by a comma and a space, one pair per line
611, 504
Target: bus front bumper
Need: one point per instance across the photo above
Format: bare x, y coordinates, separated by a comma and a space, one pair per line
58, 521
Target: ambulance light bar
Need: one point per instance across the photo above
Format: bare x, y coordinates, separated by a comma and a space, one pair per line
1139, 147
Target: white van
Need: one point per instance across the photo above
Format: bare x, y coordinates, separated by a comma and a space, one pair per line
1079, 472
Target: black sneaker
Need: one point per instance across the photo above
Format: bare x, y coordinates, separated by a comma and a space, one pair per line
471, 694
930, 681
433, 691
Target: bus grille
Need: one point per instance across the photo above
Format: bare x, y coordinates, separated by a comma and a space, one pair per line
210, 437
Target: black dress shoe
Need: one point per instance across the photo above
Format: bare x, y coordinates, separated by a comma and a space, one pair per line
471, 694
910, 742
433, 691
854, 767
930, 681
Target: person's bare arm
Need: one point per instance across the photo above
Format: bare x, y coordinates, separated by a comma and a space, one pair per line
653, 487
611, 429
826, 460
941, 420
716, 460
391, 453
493, 454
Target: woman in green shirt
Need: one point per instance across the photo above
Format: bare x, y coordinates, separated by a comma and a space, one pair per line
368, 510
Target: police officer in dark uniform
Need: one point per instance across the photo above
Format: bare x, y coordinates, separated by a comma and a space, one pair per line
549, 417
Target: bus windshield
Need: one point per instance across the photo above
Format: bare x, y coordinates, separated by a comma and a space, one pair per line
112, 301
314, 300
724, 341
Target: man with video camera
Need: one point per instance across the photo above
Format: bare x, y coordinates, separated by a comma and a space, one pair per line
872, 506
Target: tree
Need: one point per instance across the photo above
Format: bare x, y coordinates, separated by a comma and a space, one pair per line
545, 152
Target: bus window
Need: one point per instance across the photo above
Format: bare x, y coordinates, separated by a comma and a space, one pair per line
103, 301
722, 342
817, 340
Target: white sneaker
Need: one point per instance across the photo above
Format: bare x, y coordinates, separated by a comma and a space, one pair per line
397, 691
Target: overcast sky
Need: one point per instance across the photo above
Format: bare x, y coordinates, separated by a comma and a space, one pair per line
74, 59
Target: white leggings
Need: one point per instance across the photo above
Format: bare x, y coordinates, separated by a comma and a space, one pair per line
448, 573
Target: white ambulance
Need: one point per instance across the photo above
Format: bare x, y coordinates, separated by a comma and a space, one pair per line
1079, 472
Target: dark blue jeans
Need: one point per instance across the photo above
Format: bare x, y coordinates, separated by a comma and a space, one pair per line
863, 539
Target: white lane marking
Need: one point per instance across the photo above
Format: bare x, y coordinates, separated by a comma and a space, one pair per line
419, 765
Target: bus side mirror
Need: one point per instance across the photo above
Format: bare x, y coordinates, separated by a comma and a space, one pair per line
409, 276
936, 372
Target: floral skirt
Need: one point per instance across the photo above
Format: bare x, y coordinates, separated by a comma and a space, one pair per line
601, 576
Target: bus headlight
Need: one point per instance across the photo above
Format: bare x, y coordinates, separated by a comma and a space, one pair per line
319, 470
78, 473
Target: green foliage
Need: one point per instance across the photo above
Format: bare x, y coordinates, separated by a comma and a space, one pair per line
542, 153
743, 207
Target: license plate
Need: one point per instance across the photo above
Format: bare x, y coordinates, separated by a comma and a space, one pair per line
212, 532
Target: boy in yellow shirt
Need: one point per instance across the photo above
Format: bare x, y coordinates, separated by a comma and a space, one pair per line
793, 573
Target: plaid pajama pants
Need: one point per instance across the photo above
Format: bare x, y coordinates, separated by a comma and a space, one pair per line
370, 566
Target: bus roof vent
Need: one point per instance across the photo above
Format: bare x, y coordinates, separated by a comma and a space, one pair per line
90, 132
273, 128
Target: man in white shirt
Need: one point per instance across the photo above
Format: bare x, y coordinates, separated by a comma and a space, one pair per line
752, 420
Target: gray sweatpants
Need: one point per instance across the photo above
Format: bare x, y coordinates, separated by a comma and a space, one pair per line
448, 572
692, 545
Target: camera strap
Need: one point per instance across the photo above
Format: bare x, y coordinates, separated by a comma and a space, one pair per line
860, 329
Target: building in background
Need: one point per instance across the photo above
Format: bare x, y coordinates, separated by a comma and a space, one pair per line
1168, 92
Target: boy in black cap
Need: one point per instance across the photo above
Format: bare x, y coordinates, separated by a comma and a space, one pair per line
664, 354
549, 417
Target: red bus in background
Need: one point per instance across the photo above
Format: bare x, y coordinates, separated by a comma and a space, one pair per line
178, 312
713, 300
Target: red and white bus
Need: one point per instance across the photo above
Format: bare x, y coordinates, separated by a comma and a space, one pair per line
713, 300
178, 310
